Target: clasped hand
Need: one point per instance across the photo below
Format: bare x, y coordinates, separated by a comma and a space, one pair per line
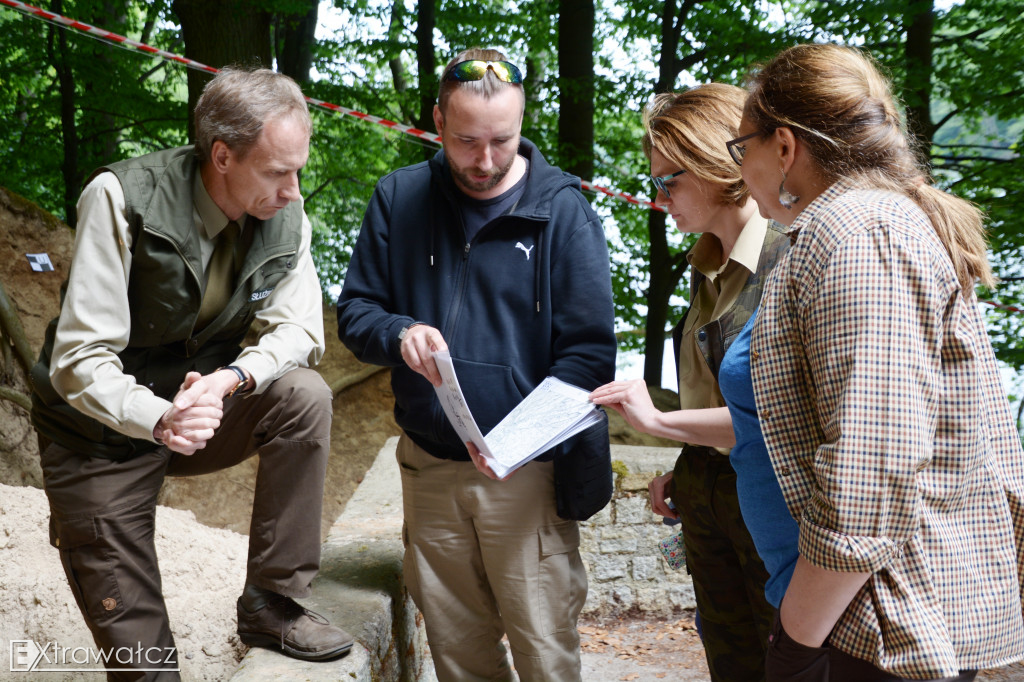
195, 412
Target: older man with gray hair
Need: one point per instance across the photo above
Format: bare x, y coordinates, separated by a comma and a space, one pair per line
146, 372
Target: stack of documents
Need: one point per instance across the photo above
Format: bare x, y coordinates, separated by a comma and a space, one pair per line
553, 412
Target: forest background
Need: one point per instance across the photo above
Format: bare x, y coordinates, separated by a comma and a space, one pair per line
69, 104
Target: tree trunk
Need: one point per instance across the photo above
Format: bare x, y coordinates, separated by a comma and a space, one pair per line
426, 64
398, 72
663, 279
59, 58
296, 35
663, 283
919, 22
576, 87
221, 33
113, 16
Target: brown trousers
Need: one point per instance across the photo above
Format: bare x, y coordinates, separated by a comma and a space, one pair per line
102, 513
728, 575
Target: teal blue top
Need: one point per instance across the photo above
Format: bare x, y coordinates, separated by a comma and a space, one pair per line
773, 530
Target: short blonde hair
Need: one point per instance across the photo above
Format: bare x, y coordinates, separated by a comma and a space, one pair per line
690, 129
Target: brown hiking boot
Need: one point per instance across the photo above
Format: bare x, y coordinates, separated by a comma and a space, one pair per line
281, 623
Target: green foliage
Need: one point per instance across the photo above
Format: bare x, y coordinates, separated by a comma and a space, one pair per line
977, 86
118, 103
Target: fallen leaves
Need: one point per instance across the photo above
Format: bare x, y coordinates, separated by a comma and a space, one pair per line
645, 644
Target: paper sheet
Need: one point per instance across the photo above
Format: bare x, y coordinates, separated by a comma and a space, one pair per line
553, 412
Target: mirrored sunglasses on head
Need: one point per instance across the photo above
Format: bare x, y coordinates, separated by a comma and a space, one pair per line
476, 69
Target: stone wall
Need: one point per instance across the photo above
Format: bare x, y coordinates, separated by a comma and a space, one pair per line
619, 545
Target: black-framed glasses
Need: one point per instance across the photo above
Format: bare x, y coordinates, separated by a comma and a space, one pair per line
476, 69
736, 150
660, 180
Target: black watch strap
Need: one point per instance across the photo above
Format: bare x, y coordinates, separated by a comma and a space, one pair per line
243, 381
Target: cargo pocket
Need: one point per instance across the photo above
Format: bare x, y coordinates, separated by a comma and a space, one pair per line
562, 579
88, 566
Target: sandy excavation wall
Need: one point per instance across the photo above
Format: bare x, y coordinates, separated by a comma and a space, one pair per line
203, 571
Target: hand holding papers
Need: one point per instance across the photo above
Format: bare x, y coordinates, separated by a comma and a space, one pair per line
553, 412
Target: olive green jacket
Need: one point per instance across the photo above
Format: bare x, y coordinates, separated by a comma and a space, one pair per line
165, 292
715, 337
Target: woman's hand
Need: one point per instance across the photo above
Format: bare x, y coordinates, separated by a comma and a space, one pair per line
631, 400
660, 490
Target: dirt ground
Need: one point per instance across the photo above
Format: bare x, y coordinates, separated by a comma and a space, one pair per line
634, 648
644, 649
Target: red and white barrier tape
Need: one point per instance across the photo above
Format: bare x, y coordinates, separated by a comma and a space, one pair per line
622, 196
123, 41
103, 34
1002, 306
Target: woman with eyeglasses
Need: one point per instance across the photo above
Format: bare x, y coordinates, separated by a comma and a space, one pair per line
878, 391
685, 137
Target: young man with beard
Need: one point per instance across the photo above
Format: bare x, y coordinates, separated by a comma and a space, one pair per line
493, 254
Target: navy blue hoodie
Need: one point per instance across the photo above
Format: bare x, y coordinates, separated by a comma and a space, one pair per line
529, 297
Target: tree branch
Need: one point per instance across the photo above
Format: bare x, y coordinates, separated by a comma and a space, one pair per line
12, 327
330, 181
959, 161
973, 146
19, 399
351, 380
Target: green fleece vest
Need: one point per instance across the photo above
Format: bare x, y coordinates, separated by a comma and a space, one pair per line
714, 338
165, 291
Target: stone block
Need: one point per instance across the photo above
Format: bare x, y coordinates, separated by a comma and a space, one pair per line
603, 568
621, 597
635, 483
634, 510
618, 540
601, 518
645, 568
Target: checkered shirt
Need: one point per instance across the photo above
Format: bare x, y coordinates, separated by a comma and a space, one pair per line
891, 437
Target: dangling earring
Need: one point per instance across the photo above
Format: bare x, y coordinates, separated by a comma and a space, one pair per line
785, 198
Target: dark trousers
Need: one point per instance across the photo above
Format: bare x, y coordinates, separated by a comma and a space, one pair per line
728, 575
790, 661
102, 512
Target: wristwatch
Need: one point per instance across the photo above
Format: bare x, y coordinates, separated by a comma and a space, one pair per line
405, 330
243, 380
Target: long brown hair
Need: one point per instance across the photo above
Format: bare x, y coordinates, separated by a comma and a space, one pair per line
690, 129
836, 100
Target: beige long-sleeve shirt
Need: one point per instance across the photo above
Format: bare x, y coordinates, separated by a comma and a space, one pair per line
95, 322
723, 284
